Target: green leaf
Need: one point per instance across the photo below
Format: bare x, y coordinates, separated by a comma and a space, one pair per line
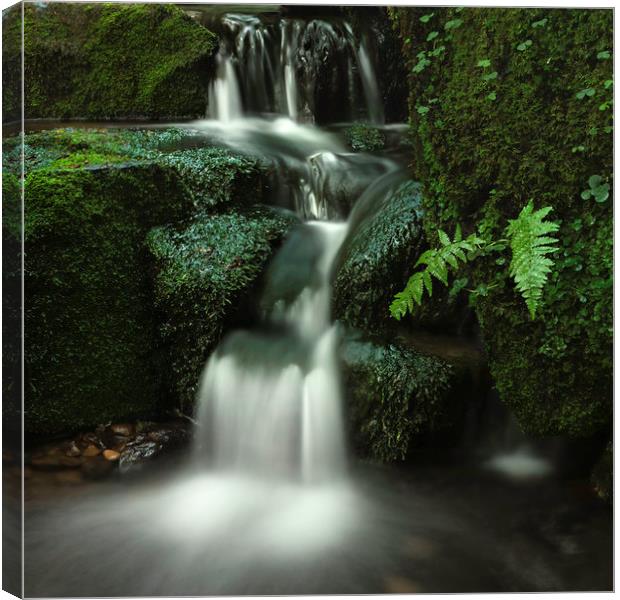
594, 181
540, 23
524, 45
604, 55
427, 18
484, 63
586, 194
423, 109
530, 243
431, 36
608, 83
443, 238
492, 96
453, 24
601, 194
490, 76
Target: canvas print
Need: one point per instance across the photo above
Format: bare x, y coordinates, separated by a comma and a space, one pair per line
306, 299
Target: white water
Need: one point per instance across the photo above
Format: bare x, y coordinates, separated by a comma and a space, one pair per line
280, 418
256, 77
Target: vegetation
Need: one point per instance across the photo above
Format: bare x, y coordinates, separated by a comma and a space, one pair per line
396, 395
362, 137
529, 240
507, 105
94, 351
205, 271
157, 57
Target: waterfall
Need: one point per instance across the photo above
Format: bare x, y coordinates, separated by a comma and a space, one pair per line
269, 400
270, 404
304, 69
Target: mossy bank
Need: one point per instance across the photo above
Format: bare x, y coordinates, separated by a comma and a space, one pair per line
101, 289
507, 105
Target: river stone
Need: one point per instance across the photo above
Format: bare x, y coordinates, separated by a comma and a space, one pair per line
397, 396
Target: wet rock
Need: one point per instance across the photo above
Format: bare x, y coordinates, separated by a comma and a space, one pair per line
73, 450
398, 397
91, 439
123, 429
91, 451
138, 452
111, 455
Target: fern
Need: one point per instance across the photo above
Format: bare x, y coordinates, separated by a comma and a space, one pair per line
530, 242
438, 262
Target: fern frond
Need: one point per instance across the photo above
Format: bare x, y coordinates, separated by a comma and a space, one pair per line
437, 263
530, 243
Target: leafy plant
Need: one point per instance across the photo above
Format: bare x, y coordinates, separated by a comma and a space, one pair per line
431, 36
453, 24
604, 55
438, 262
427, 18
530, 239
530, 243
597, 189
524, 45
540, 23
484, 63
589, 92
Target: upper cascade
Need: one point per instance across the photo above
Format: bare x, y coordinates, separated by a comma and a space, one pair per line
309, 70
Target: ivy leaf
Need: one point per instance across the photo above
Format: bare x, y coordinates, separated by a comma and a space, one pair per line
431, 36
484, 63
585, 92
604, 55
601, 193
492, 96
427, 18
540, 23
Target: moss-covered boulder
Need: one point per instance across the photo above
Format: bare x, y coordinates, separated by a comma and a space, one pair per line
508, 105
205, 271
94, 351
376, 261
106, 61
91, 338
396, 396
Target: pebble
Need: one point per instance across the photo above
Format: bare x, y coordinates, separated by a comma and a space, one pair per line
124, 429
73, 450
111, 455
91, 451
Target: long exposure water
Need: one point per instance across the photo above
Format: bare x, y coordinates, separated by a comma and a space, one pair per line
268, 500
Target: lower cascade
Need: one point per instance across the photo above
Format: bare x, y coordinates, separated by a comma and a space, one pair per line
269, 402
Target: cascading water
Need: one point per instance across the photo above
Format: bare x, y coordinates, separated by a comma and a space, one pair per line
270, 401
287, 68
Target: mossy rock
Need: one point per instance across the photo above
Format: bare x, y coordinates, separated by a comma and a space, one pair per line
362, 137
106, 60
498, 118
206, 270
91, 336
396, 396
376, 261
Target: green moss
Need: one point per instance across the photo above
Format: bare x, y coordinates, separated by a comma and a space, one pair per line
91, 340
204, 271
376, 261
395, 395
362, 137
108, 61
491, 135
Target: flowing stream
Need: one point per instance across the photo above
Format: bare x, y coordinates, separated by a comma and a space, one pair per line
269, 501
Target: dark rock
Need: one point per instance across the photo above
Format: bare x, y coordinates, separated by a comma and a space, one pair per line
398, 397
123, 429
137, 452
73, 450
